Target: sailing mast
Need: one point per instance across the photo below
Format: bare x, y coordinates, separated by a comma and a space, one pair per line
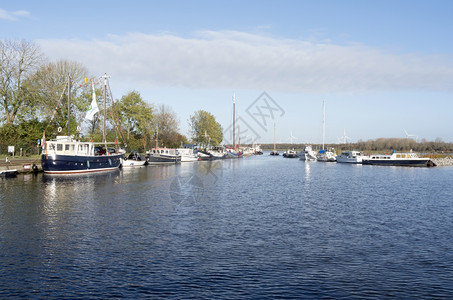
323, 121
105, 110
157, 137
69, 106
234, 121
275, 147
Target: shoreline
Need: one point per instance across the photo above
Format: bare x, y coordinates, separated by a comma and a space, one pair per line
33, 165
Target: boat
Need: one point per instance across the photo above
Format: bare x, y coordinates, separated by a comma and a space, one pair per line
214, 153
248, 151
291, 154
408, 159
233, 152
66, 155
134, 159
257, 149
8, 173
158, 156
353, 157
187, 154
325, 155
307, 154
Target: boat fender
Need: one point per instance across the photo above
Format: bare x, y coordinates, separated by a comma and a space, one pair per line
59, 129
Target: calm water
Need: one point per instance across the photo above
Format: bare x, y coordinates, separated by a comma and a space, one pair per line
260, 227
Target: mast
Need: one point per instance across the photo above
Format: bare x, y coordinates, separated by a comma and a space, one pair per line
323, 121
105, 109
69, 106
157, 137
275, 149
234, 121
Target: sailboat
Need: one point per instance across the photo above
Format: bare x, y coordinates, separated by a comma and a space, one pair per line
66, 155
275, 152
326, 155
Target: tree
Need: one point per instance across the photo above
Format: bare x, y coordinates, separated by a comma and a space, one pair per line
49, 89
167, 127
136, 117
18, 61
205, 129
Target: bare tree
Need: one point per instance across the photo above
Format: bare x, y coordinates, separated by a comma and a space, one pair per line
167, 126
18, 61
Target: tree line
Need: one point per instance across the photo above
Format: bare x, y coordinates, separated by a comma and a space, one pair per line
380, 145
34, 95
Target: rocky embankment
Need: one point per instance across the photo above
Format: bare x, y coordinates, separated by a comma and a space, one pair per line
444, 161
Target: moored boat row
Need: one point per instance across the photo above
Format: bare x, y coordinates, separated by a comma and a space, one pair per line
410, 159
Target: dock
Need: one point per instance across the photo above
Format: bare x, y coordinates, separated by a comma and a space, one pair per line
20, 165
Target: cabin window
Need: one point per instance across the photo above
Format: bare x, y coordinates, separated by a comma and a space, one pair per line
59, 147
66, 147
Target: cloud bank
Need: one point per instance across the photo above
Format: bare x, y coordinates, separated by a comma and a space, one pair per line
12, 15
230, 59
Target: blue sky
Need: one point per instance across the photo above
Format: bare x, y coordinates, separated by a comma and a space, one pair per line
382, 66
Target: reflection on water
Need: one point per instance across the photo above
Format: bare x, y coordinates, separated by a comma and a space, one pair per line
258, 227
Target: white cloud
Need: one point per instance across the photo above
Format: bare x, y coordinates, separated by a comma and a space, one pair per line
13, 15
230, 59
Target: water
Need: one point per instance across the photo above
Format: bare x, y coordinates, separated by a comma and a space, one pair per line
260, 227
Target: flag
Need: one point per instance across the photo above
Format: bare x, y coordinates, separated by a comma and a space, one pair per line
43, 142
93, 107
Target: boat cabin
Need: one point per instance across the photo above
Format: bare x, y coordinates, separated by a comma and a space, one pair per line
64, 145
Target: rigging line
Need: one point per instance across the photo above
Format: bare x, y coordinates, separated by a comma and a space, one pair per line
53, 114
58, 104
120, 129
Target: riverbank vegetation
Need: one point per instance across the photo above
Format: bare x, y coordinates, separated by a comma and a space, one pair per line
380, 145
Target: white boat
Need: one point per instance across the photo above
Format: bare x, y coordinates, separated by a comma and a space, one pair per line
290, 154
409, 159
216, 153
257, 149
187, 154
326, 155
352, 157
134, 159
307, 154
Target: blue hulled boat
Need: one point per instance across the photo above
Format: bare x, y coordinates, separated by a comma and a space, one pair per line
67, 156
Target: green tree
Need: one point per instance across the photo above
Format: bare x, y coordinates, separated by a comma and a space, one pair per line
205, 129
49, 89
136, 117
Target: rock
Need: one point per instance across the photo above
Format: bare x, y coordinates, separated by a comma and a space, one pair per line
445, 161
